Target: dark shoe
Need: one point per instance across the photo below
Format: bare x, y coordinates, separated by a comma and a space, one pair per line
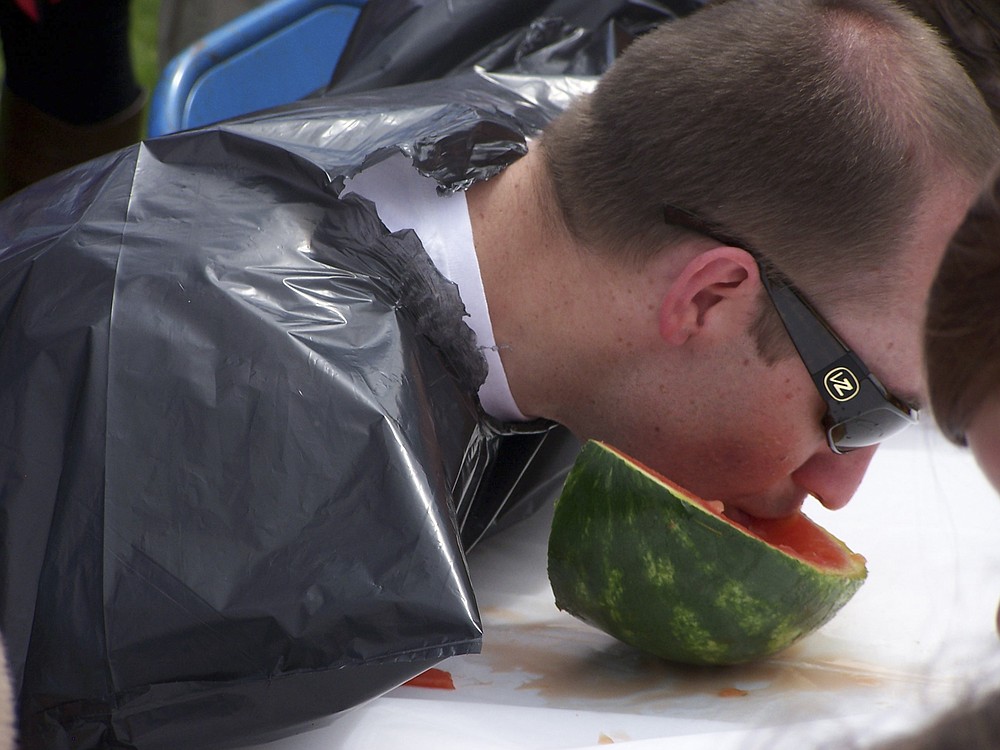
34, 145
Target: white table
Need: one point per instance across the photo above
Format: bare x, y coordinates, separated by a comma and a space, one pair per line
919, 636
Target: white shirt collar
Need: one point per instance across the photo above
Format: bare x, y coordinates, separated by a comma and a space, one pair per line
405, 199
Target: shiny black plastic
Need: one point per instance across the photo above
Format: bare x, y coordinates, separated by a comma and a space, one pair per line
237, 420
402, 41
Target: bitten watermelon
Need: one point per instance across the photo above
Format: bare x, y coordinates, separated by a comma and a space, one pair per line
643, 560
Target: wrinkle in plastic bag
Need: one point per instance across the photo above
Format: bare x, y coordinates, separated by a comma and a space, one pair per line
403, 41
241, 456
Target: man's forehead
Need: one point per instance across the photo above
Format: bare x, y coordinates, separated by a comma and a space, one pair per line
885, 326
890, 344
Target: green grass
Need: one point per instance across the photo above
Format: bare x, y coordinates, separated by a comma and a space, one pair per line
144, 23
142, 33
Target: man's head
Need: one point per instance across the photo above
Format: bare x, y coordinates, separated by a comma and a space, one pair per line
963, 331
811, 128
841, 141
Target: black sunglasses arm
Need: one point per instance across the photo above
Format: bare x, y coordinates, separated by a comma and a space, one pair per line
818, 346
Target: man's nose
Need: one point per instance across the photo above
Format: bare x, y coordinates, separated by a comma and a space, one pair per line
832, 479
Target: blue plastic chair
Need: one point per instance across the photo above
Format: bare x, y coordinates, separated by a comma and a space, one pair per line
277, 53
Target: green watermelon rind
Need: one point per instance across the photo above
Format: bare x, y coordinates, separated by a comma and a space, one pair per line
637, 559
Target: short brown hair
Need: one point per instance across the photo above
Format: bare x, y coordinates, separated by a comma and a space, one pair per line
810, 128
962, 331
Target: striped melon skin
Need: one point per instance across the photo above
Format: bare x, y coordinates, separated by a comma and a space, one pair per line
652, 566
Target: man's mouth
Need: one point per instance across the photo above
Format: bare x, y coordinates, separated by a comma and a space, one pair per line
742, 518
738, 516
774, 531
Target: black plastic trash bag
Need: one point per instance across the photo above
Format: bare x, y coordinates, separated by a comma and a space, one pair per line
238, 429
404, 41
241, 455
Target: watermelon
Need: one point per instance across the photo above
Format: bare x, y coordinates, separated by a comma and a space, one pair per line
658, 568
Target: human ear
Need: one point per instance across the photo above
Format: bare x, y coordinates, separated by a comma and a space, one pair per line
693, 299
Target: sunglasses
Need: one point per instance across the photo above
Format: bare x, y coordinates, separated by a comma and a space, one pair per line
859, 410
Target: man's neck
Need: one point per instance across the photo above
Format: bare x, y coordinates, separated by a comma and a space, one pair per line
548, 298
512, 240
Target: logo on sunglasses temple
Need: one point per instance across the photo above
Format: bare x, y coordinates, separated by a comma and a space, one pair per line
841, 384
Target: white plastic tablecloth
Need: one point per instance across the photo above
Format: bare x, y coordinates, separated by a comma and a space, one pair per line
918, 637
